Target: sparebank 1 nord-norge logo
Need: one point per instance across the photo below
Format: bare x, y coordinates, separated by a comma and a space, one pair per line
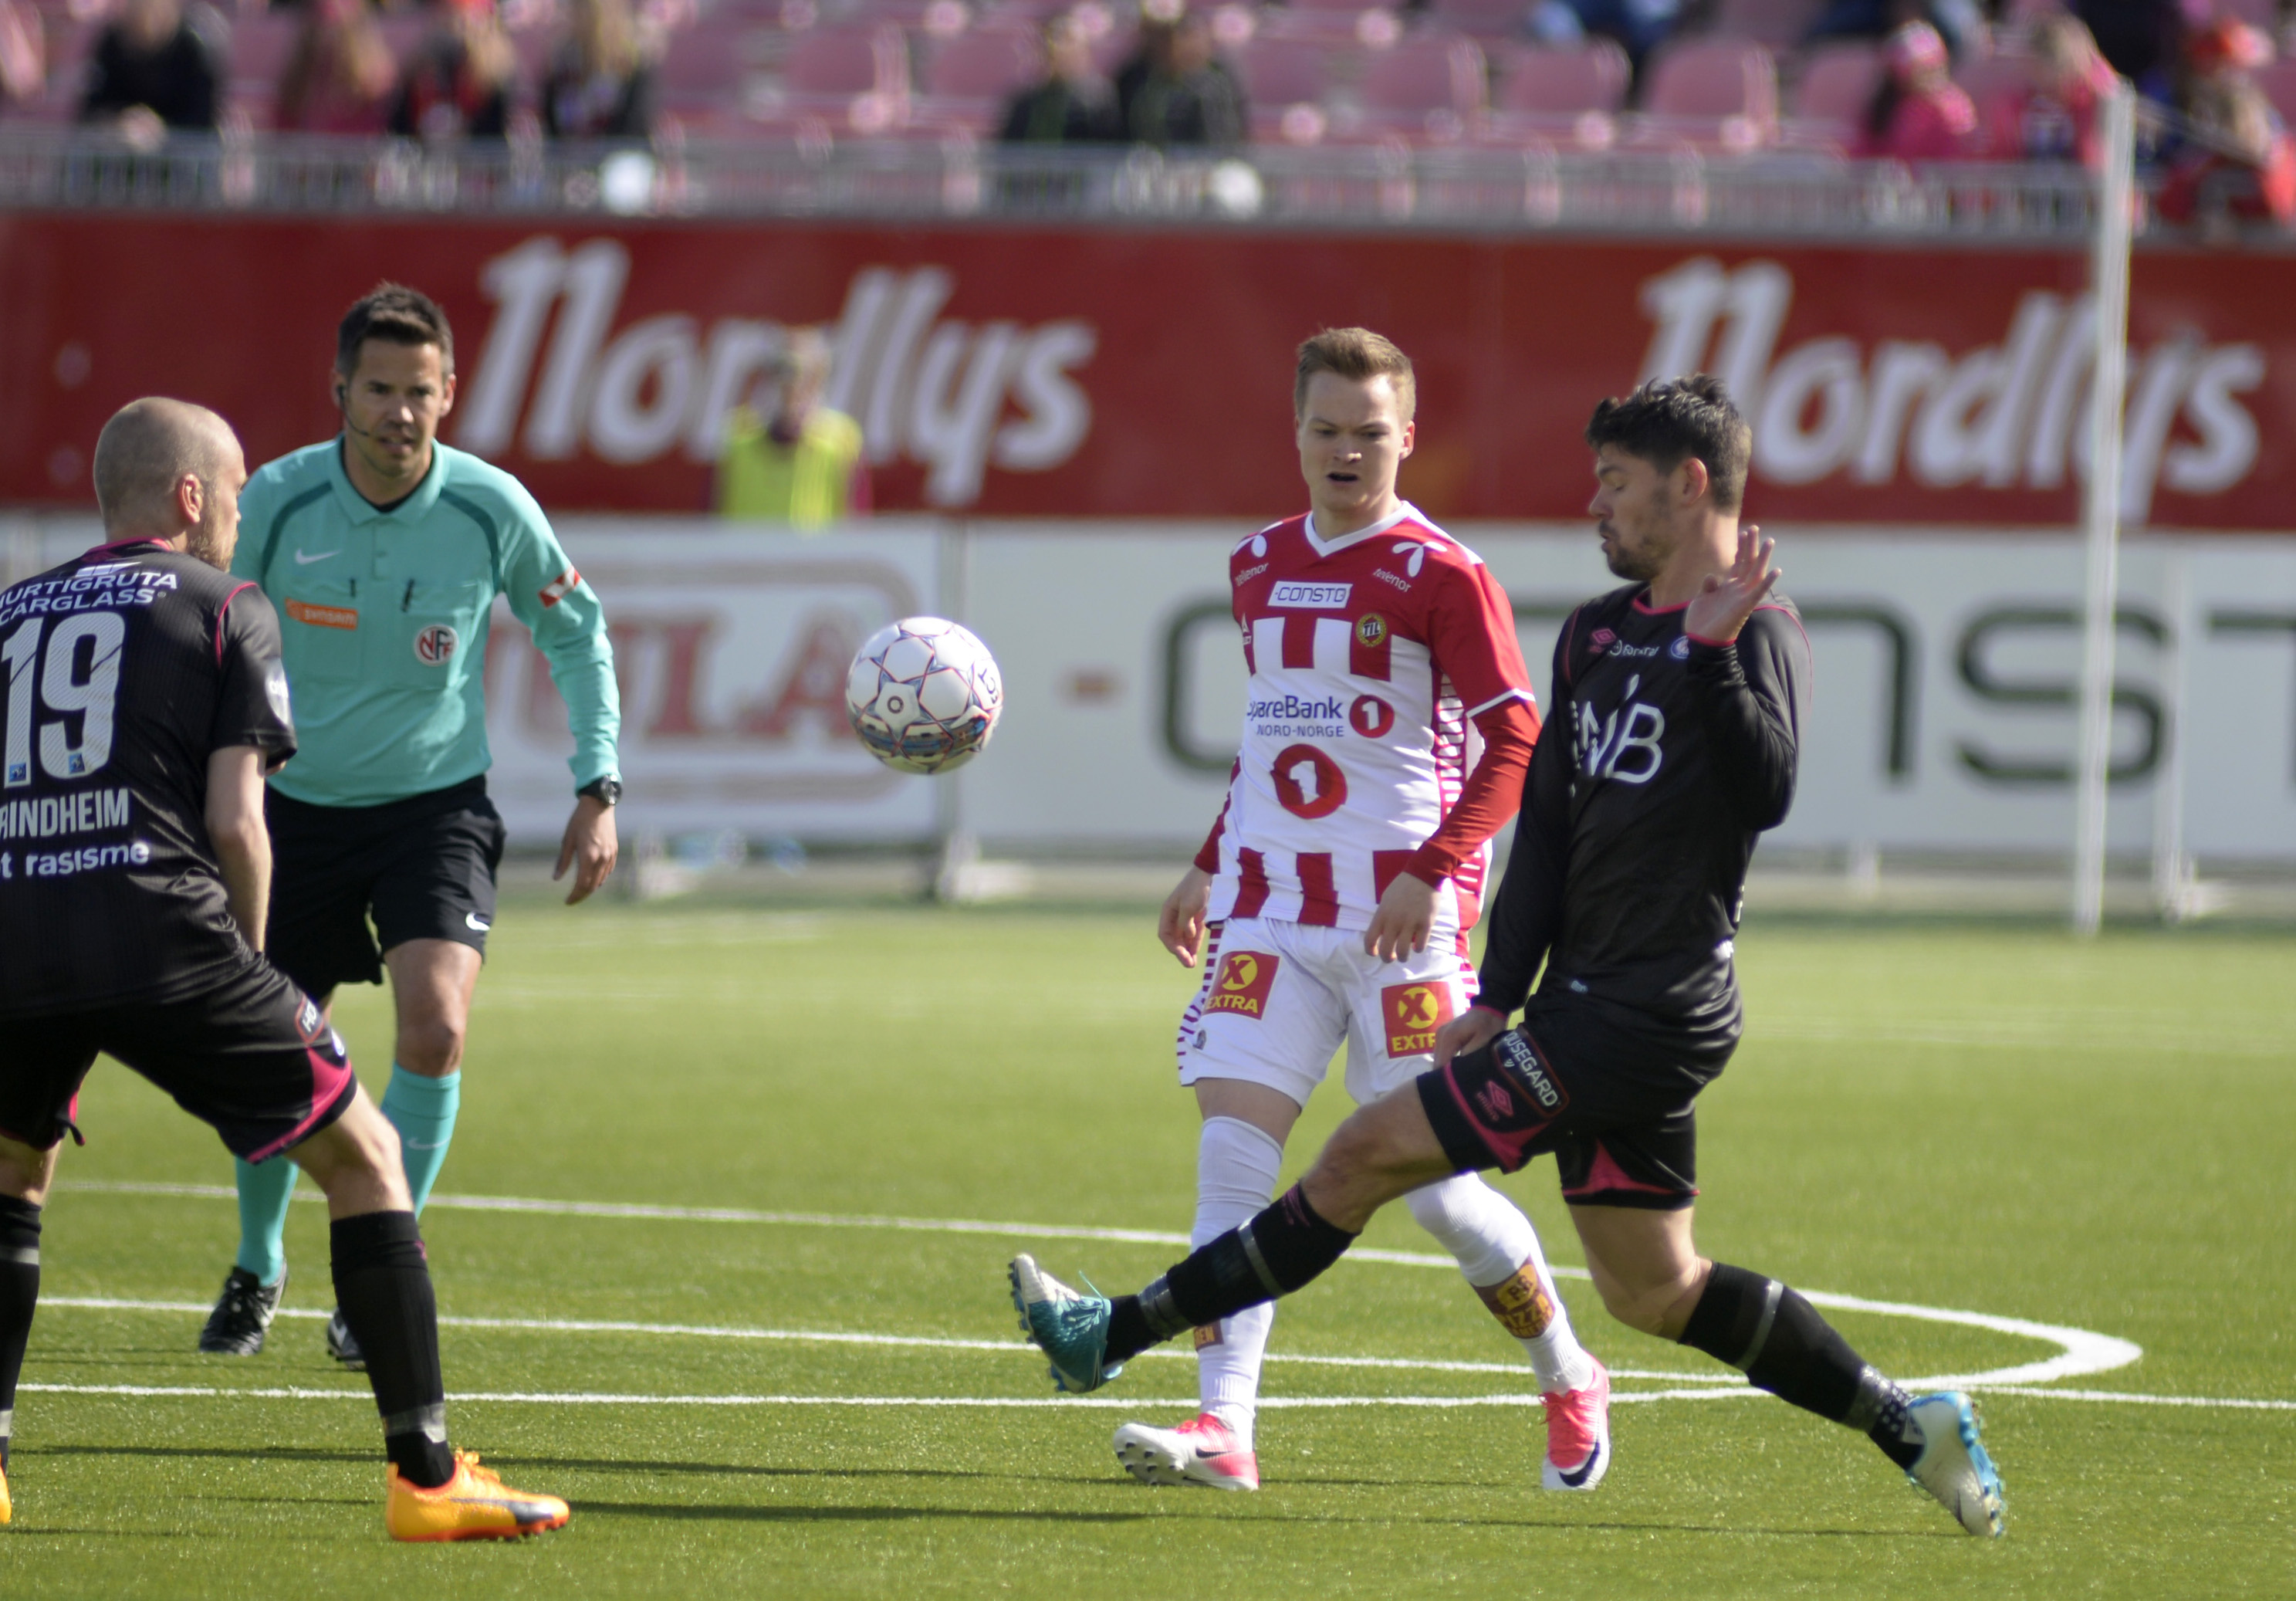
959, 398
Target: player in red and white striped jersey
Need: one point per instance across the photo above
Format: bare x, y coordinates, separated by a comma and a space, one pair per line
1388, 727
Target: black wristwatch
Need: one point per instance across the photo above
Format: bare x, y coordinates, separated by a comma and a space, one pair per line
605, 792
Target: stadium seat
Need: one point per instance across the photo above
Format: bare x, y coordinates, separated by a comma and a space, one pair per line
1838, 81
1772, 22
836, 63
1564, 79
2278, 82
1429, 87
703, 71
1278, 74
261, 42
1717, 95
970, 79
1488, 19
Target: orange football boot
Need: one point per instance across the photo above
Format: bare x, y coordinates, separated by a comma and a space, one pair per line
475, 1504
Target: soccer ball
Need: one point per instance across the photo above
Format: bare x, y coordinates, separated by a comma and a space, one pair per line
923, 694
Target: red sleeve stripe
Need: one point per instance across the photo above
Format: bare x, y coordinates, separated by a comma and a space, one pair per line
220, 611
558, 589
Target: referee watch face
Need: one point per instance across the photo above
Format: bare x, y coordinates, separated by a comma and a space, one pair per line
605, 792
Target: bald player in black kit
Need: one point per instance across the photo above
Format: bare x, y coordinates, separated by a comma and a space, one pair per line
144, 705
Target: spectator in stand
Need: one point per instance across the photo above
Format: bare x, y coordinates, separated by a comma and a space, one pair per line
1639, 26
23, 54
340, 76
1177, 91
1073, 105
804, 467
152, 72
460, 82
1960, 23
2053, 117
1918, 113
2234, 162
600, 84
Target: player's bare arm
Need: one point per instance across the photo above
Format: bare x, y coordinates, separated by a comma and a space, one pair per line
589, 846
1180, 924
243, 844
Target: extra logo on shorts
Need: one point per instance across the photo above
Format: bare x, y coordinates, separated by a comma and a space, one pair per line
435, 645
1243, 983
1513, 1053
1412, 1013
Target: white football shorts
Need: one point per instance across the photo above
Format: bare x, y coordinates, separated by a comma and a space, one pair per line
1278, 998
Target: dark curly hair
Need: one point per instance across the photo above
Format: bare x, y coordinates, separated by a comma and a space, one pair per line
1668, 421
395, 315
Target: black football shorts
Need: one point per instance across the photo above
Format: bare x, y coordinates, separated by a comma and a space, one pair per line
423, 868
251, 1057
1604, 1090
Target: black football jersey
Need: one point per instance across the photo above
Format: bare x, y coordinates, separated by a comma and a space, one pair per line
125, 669
1662, 759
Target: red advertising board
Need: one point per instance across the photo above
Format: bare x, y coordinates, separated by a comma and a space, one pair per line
1020, 370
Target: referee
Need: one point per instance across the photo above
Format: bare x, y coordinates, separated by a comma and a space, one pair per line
384, 550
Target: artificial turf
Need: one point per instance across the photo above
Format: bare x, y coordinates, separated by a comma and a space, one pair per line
2000, 1119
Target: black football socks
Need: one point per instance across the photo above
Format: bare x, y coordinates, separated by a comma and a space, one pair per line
19, 1293
1777, 1339
383, 1283
1279, 1251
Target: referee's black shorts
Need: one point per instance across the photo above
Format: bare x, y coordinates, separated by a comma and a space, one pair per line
250, 1057
422, 867
1597, 1084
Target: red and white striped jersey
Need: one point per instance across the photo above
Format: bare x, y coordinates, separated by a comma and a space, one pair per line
1368, 654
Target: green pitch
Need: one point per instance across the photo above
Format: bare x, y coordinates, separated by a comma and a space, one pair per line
2000, 1121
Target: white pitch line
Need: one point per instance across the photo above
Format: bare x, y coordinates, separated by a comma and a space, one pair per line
570, 1325
2081, 1353
1136, 1403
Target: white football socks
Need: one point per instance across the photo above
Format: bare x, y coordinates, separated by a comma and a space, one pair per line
1236, 1169
1498, 1251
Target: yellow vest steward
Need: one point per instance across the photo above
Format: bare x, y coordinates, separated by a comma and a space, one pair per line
804, 484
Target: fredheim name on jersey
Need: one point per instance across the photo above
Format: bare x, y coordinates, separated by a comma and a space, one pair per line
1368, 654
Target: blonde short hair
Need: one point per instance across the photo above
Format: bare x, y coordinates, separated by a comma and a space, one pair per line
1357, 355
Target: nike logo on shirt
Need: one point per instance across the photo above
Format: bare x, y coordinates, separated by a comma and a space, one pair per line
304, 558
475, 922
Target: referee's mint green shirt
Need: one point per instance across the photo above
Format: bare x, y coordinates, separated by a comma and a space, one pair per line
383, 615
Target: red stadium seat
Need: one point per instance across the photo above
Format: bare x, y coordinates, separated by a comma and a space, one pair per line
260, 44
2278, 82
1837, 84
1280, 72
1773, 23
986, 64
1490, 19
1718, 95
837, 62
703, 67
1565, 79
1426, 74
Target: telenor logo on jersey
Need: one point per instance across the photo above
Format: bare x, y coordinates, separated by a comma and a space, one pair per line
1309, 597
435, 645
1242, 983
1412, 1013
558, 589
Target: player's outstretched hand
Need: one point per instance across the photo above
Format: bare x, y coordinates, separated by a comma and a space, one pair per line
1471, 1030
589, 847
1722, 607
1180, 925
1404, 920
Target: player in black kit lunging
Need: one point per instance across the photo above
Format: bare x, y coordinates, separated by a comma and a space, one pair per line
1678, 704
141, 706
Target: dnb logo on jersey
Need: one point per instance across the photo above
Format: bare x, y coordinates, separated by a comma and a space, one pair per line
1414, 1014
435, 645
1242, 983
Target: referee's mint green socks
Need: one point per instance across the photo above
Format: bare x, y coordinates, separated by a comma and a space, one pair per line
422, 1110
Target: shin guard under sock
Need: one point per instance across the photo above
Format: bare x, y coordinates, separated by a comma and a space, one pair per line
264, 1193
382, 1284
1280, 1251
1778, 1341
20, 1294
1498, 1251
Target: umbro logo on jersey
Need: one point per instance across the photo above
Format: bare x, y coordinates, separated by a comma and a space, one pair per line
1298, 596
304, 558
